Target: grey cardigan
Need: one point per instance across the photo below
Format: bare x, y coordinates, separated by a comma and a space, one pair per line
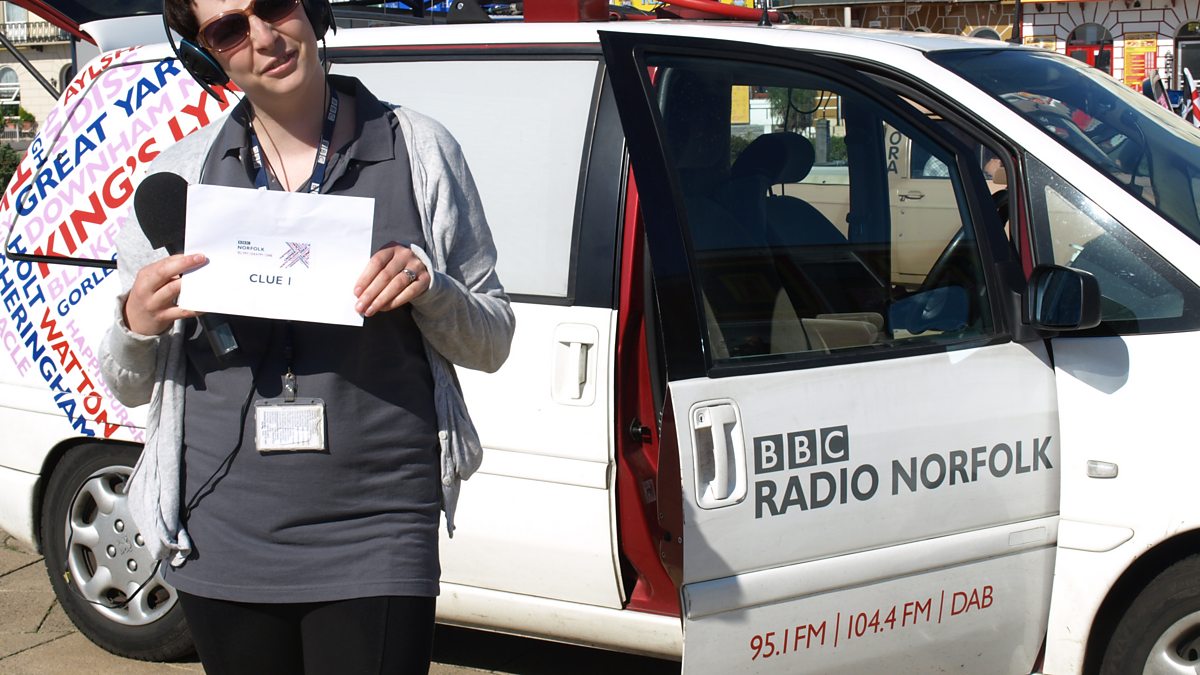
464, 318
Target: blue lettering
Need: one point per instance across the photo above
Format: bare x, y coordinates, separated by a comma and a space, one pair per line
24, 204
83, 145
165, 67
47, 368
145, 88
126, 103
37, 349
97, 127
62, 165
45, 180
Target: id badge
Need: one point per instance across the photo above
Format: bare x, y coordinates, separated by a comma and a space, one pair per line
289, 426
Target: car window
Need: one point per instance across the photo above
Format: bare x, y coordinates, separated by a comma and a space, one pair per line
921, 162
801, 243
1140, 291
525, 149
1149, 152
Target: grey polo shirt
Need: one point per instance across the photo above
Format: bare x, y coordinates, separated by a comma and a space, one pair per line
361, 518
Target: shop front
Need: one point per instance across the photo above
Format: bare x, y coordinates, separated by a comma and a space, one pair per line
1128, 39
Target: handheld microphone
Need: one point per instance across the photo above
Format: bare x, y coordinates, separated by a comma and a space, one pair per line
160, 203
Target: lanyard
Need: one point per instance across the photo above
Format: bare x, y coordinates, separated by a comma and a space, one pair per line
322, 160
289, 353
316, 180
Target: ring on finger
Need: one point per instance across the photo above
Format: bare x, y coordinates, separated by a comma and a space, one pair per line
412, 276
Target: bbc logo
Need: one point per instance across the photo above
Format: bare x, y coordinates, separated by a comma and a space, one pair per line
801, 449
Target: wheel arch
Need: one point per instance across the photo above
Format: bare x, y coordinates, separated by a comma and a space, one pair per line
1121, 595
49, 465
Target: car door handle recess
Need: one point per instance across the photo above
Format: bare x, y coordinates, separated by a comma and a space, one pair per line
719, 454
574, 363
912, 194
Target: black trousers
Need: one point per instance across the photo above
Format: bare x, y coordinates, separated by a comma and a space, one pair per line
363, 635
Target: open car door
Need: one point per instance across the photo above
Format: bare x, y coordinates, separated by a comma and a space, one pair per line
869, 470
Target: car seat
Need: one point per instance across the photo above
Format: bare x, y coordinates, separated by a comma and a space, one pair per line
779, 159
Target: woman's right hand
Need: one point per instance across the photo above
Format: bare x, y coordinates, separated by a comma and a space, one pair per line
150, 308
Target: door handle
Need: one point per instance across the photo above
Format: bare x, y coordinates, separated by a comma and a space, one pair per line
912, 194
575, 363
719, 454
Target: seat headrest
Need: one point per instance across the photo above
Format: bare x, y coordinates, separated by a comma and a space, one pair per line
782, 157
695, 113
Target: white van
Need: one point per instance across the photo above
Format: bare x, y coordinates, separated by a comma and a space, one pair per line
737, 428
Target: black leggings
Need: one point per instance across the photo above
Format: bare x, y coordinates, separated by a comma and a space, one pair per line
362, 635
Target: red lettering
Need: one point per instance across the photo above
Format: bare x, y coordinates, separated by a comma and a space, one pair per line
197, 110
43, 268
109, 429
92, 402
962, 601
52, 335
62, 349
176, 132
223, 101
125, 187
22, 174
147, 153
70, 93
955, 606
96, 216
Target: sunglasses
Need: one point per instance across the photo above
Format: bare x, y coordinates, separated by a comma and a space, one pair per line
231, 28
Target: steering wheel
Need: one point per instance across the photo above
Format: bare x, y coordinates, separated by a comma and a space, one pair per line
958, 254
944, 266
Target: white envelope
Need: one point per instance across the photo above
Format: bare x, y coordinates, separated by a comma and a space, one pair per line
276, 255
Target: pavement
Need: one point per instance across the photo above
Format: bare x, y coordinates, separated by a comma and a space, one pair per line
36, 637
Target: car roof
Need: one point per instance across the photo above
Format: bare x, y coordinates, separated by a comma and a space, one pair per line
871, 43
861, 41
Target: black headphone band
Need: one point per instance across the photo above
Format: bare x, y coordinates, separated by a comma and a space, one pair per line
204, 67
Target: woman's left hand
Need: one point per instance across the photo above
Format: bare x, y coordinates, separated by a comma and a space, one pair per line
391, 279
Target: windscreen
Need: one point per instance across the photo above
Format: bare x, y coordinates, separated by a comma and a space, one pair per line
1141, 146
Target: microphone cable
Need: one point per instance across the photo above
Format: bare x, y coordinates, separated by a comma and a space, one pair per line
223, 467
67, 555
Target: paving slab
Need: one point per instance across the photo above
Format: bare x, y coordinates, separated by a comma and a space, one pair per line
24, 612
25, 601
75, 654
37, 638
15, 643
12, 559
28, 577
57, 620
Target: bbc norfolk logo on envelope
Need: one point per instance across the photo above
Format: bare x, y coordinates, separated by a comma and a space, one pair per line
276, 255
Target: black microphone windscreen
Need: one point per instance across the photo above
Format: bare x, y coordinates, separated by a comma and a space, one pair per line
161, 207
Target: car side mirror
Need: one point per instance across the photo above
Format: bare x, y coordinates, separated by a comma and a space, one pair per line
1061, 298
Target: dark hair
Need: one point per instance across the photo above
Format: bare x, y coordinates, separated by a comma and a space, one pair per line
182, 18
180, 15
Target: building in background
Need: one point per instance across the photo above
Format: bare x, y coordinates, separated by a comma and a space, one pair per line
992, 19
1125, 38
48, 49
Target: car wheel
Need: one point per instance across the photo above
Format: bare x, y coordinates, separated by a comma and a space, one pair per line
97, 559
1160, 633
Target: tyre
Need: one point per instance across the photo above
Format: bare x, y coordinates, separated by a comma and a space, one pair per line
97, 560
1160, 633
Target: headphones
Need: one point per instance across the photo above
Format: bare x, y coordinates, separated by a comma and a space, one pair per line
204, 67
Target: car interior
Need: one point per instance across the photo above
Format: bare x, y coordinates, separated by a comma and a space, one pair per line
775, 274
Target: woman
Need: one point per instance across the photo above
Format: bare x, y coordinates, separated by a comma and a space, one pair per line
322, 561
